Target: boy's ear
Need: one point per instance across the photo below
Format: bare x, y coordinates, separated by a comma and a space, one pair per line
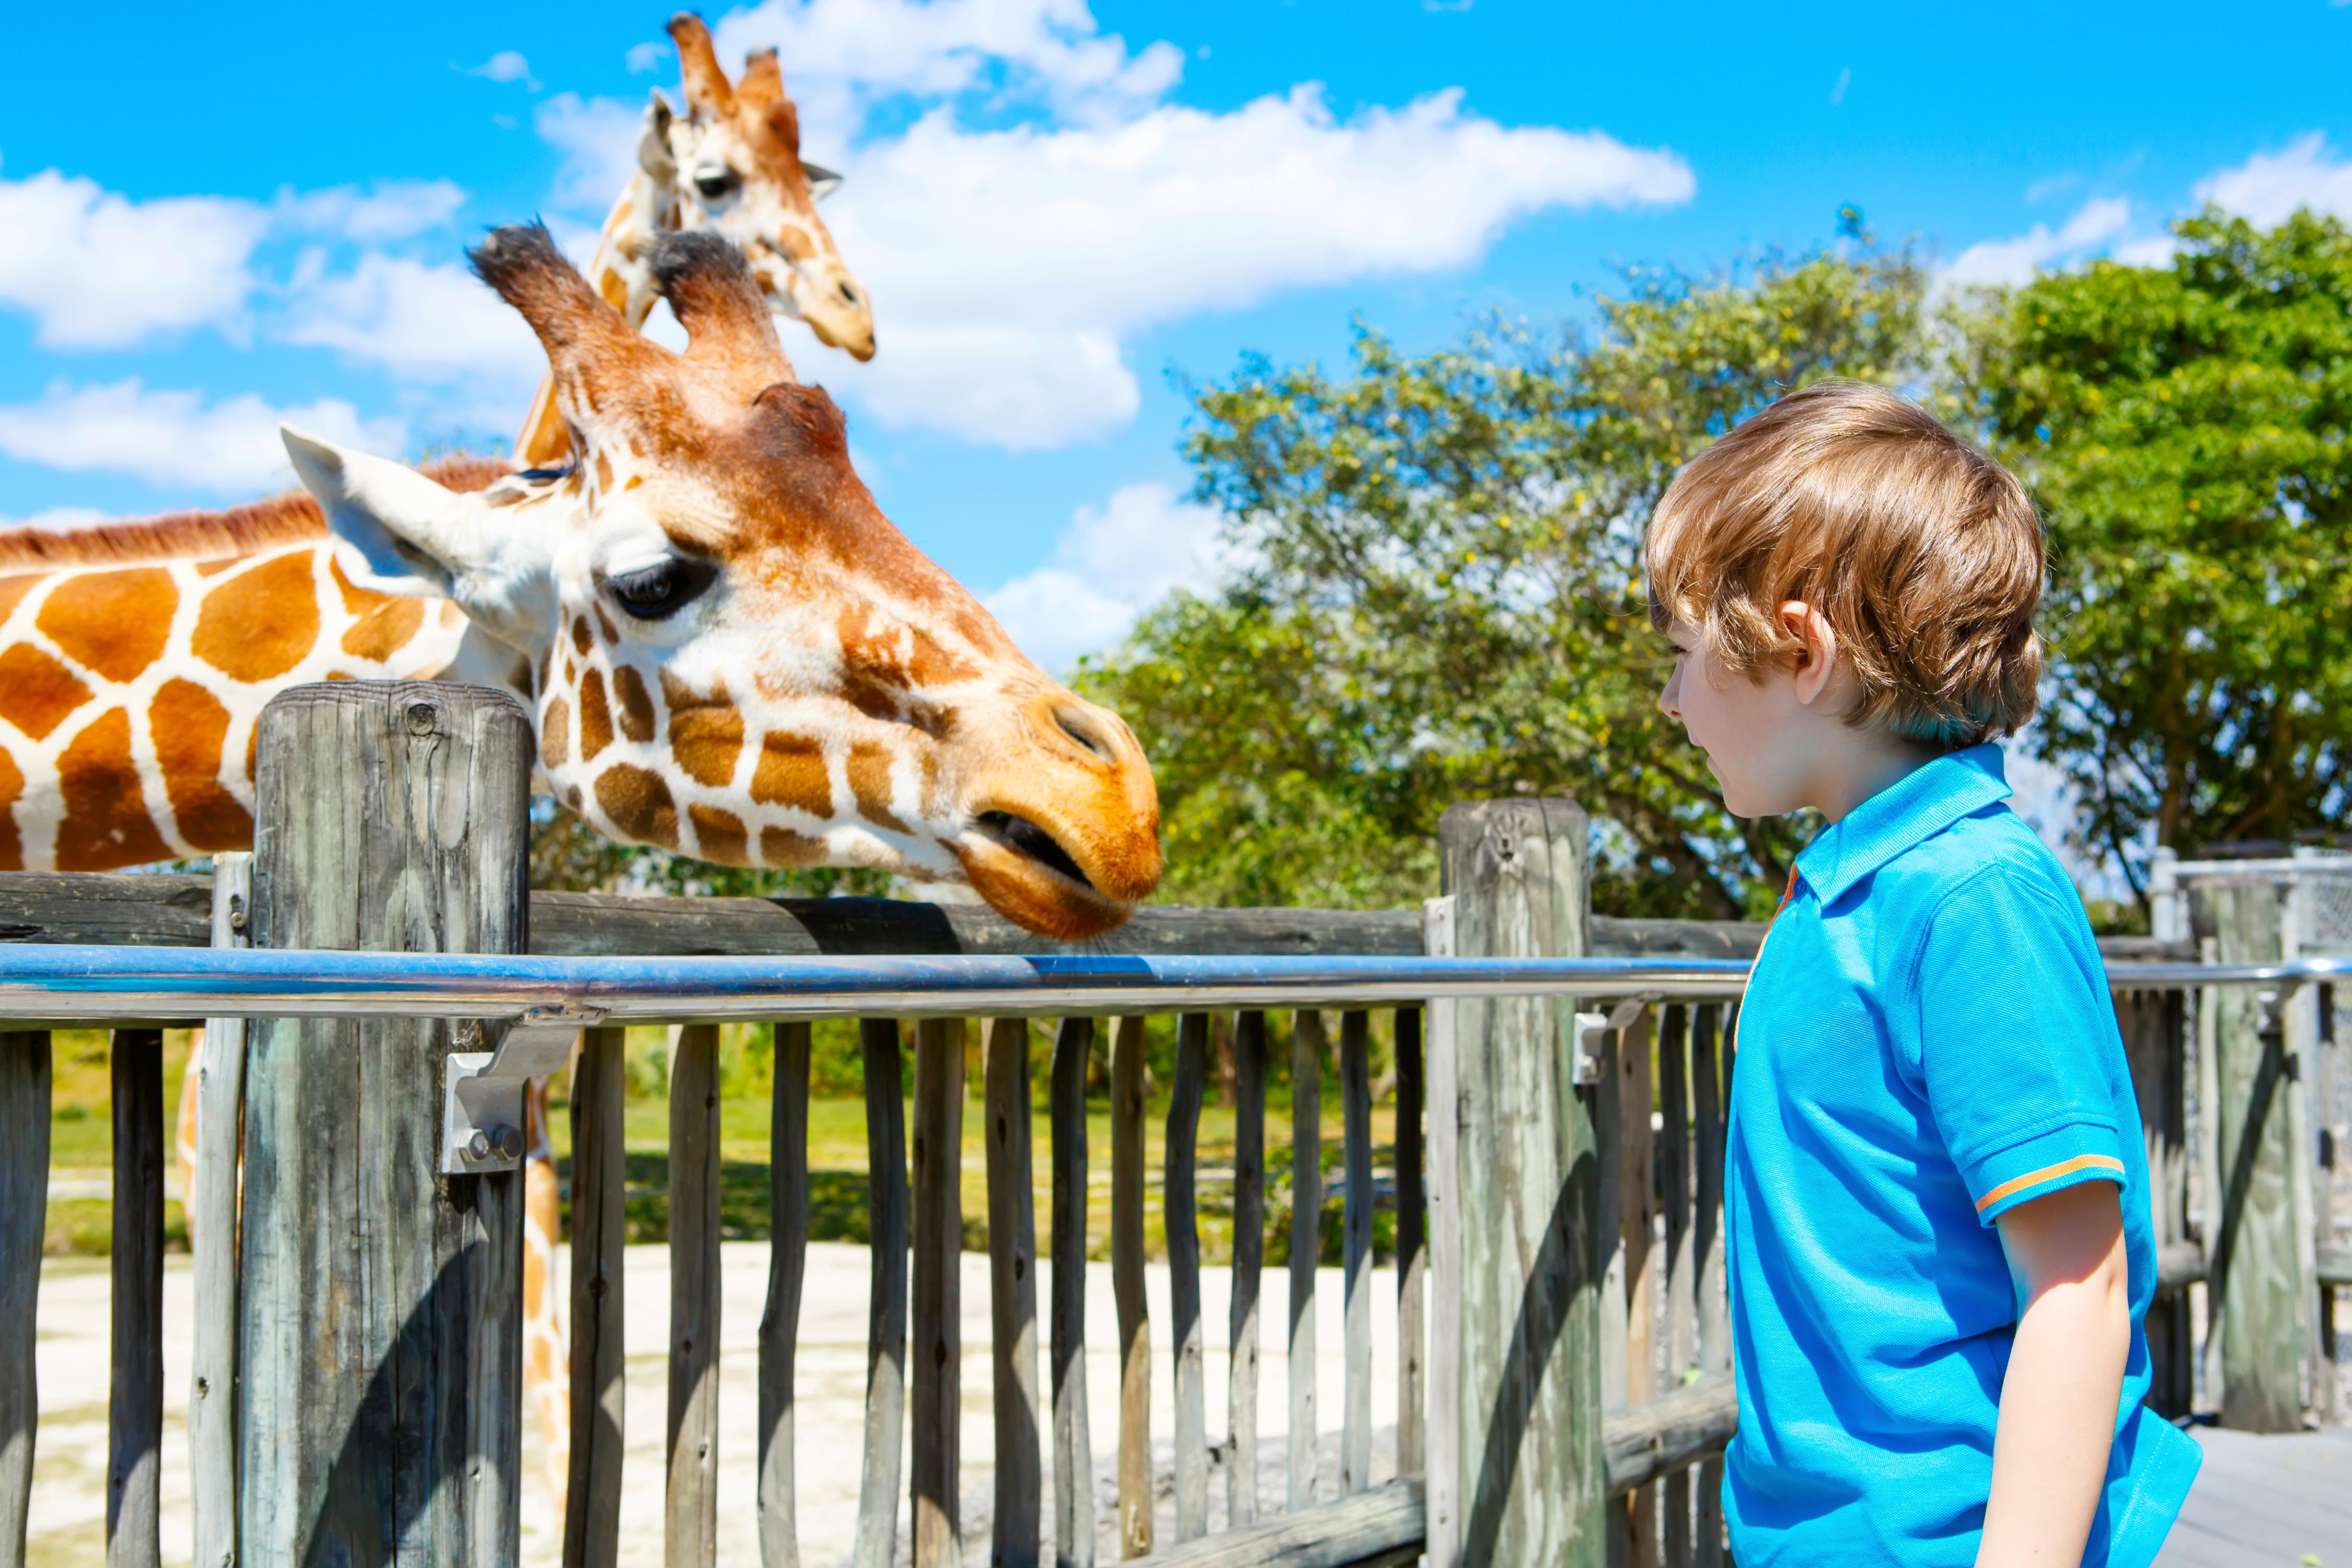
1817, 647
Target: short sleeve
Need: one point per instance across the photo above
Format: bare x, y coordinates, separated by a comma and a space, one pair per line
2015, 1028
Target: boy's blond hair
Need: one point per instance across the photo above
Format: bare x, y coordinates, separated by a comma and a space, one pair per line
1922, 553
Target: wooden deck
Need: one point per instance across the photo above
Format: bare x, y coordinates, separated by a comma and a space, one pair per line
2267, 1501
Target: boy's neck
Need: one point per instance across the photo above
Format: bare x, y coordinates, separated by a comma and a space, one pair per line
1867, 763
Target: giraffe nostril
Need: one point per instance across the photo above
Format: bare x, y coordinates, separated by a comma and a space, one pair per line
1078, 728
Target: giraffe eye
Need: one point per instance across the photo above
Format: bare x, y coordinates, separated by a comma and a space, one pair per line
658, 592
717, 185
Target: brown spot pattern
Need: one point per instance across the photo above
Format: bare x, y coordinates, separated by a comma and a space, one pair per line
636, 704
603, 472
555, 734
792, 772
595, 718
106, 823
721, 833
611, 633
12, 787
191, 728
115, 622
639, 804
36, 692
384, 632
782, 846
706, 739
13, 591
259, 624
582, 638
870, 781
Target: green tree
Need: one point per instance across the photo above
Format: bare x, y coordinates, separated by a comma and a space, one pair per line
1442, 599
2183, 428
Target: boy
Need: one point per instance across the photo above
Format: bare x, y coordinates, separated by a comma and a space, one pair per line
1935, 1194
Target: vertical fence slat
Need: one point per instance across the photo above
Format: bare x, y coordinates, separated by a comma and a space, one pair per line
134, 1410
1637, 1192
212, 1235
1249, 1263
1013, 1291
1180, 1213
1682, 1296
937, 1406
1306, 1244
25, 1076
886, 1322
779, 1324
690, 1533
1707, 1262
2152, 1024
1073, 1488
1411, 1262
1126, 1067
1356, 1252
592, 1502
1443, 1464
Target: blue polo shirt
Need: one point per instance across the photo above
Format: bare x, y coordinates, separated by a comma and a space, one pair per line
1928, 1041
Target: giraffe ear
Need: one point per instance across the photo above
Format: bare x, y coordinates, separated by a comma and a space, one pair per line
823, 182
401, 524
654, 155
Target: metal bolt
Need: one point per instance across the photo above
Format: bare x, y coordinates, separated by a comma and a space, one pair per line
477, 1147
509, 1142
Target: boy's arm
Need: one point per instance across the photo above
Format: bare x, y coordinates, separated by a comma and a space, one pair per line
2066, 1374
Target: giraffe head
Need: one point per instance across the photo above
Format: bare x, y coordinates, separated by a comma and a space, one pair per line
733, 159
730, 650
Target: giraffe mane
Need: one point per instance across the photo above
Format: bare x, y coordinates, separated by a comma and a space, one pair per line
289, 519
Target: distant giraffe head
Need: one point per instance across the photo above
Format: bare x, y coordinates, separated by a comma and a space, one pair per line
730, 650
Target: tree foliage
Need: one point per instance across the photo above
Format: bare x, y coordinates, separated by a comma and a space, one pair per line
1439, 596
2184, 429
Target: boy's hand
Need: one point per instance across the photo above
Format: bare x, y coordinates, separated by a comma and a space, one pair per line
2066, 1374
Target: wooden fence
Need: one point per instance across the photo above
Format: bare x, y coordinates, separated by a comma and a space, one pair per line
1564, 1358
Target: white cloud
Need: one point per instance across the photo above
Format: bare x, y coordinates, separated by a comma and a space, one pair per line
507, 65
598, 138
2268, 187
391, 209
646, 56
1008, 266
2095, 223
96, 269
172, 438
1113, 563
420, 322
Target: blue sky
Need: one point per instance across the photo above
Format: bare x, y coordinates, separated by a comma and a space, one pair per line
207, 224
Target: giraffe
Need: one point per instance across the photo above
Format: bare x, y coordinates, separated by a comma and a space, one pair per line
727, 648
729, 166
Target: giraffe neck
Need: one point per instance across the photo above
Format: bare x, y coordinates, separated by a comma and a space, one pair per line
130, 688
617, 271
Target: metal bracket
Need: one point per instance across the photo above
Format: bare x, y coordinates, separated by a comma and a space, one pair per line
1589, 1026
481, 1100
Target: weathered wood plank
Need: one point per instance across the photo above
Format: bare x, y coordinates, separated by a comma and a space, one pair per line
2336, 1266
779, 1324
592, 1488
1127, 1089
1305, 1245
1660, 1437
1708, 1128
2255, 1268
25, 1081
212, 1234
1638, 1208
1074, 1491
2152, 1024
877, 1544
379, 1344
690, 1527
1412, 1261
1382, 1526
937, 1410
134, 1406
1529, 1215
1249, 1265
1356, 1252
1682, 1294
1445, 1470
1013, 1293
1180, 1218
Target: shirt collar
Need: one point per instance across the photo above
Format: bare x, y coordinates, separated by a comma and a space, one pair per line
1912, 810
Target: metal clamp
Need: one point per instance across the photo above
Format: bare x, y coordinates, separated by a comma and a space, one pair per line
482, 1093
1585, 1069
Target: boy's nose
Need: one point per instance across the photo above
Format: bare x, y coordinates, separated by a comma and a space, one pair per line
1670, 699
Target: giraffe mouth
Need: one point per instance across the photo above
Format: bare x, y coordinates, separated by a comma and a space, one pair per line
1031, 842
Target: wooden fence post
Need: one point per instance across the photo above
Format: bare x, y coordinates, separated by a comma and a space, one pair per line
24, 1212
592, 1508
379, 1342
1533, 1483
2154, 1026
134, 1418
2255, 1271
212, 1234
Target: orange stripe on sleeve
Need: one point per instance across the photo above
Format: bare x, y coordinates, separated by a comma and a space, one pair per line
2048, 1173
